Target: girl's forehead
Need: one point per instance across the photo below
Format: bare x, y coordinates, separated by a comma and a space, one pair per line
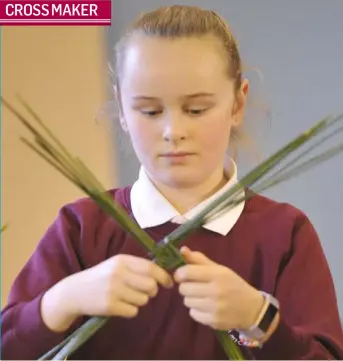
192, 59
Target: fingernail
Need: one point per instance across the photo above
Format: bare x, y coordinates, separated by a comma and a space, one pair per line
178, 276
184, 249
170, 283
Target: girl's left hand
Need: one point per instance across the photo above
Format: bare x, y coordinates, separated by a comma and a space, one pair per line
215, 295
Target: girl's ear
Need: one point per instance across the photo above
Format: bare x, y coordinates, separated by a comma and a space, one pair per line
123, 124
120, 108
240, 103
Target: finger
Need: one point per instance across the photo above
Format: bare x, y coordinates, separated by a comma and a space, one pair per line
147, 268
201, 317
199, 273
195, 289
125, 310
132, 296
194, 257
200, 304
141, 283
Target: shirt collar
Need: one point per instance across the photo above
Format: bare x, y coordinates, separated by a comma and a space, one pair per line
150, 208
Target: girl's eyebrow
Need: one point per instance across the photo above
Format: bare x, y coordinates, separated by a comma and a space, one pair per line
189, 96
142, 97
198, 95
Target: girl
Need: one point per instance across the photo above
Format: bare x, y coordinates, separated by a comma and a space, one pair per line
251, 272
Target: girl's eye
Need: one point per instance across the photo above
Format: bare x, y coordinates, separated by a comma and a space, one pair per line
155, 113
151, 113
197, 111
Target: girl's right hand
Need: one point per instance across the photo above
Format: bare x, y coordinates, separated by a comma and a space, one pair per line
118, 286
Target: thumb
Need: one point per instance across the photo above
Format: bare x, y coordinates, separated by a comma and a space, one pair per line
195, 257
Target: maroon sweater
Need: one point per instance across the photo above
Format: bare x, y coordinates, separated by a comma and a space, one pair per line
273, 246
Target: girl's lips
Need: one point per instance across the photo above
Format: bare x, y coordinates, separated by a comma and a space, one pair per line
176, 154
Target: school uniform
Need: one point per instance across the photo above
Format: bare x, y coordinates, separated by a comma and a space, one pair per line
272, 245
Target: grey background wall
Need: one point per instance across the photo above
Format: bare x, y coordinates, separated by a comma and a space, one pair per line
298, 47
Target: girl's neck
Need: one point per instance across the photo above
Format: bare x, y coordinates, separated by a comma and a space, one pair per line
184, 199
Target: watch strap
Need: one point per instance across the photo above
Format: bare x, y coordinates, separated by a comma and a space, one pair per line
264, 320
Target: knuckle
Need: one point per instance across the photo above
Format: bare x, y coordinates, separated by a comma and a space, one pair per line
108, 291
218, 290
217, 315
133, 312
118, 259
151, 284
151, 268
182, 289
215, 321
118, 265
110, 306
219, 310
218, 319
144, 300
153, 289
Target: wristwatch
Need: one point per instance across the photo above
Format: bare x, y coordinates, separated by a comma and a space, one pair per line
264, 320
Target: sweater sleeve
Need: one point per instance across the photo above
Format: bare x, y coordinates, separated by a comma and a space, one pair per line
24, 334
309, 327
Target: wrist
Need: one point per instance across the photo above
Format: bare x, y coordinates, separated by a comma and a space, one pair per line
255, 307
68, 295
266, 321
58, 308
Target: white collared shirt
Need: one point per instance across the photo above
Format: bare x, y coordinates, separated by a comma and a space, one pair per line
150, 208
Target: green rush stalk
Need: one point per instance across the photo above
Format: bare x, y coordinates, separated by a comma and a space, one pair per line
164, 253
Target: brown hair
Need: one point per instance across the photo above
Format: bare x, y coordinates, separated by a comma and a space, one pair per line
178, 21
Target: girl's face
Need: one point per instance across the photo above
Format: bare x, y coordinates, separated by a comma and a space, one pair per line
179, 107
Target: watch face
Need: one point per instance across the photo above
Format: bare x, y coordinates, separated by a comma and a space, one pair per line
268, 318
